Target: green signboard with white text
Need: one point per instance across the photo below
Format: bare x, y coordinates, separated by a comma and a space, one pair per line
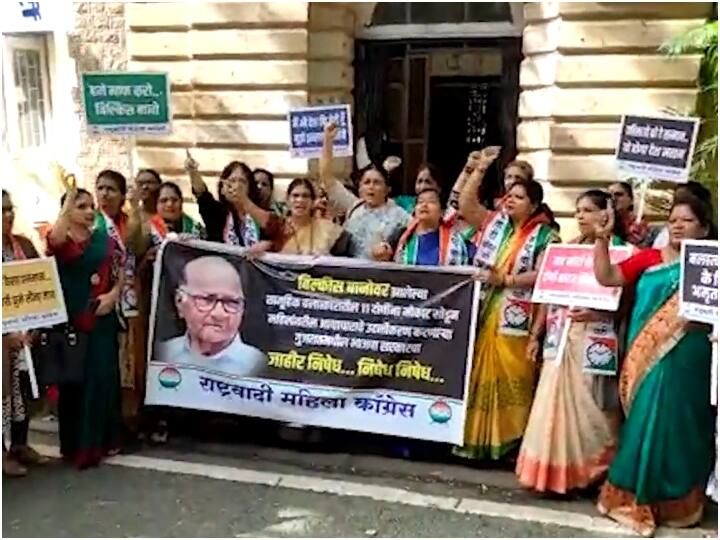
119, 103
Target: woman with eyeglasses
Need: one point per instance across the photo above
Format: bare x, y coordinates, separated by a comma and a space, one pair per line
90, 266
15, 377
301, 233
225, 218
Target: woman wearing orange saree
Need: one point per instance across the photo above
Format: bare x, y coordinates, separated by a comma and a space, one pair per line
665, 451
502, 380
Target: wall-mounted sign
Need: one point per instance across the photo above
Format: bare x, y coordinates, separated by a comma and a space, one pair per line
120, 103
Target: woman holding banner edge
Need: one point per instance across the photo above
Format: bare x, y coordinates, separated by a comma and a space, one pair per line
572, 430
665, 450
502, 380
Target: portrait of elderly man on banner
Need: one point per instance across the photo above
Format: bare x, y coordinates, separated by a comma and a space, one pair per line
209, 298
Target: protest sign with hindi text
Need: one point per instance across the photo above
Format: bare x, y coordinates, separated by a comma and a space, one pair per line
120, 103
307, 125
699, 281
329, 342
566, 278
32, 296
656, 148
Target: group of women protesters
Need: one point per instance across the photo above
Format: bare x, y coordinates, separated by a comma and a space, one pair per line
647, 432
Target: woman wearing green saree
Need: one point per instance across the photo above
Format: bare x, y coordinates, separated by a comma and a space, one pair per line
89, 263
665, 450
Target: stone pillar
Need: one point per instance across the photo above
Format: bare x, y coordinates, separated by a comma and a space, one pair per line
98, 43
587, 64
330, 67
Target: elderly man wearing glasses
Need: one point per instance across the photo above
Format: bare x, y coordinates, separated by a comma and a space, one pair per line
210, 300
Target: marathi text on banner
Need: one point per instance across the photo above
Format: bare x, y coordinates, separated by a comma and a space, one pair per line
32, 296
699, 278
378, 348
566, 278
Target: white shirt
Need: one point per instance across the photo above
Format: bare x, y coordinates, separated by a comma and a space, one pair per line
662, 239
237, 358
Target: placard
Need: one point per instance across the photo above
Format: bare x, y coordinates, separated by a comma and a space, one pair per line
306, 130
699, 280
120, 103
653, 148
32, 295
566, 278
333, 342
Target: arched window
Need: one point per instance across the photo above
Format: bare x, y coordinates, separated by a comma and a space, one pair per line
408, 20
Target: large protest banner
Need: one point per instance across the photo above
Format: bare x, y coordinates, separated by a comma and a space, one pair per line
307, 125
657, 148
699, 279
120, 103
338, 343
32, 296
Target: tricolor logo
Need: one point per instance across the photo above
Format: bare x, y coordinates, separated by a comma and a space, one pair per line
169, 377
440, 412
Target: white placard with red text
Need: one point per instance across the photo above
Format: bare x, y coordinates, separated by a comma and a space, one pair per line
566, 278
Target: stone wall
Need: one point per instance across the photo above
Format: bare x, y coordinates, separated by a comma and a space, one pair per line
587, 64
235, 69
98, 43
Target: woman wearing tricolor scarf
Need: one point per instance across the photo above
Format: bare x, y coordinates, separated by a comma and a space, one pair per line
170, 217
300, 233
225, 218
572, 430
429, 240
512, 244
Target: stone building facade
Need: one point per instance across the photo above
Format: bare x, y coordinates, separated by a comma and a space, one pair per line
236, 68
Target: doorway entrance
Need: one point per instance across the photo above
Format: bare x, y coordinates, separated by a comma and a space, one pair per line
436, 98
436, 102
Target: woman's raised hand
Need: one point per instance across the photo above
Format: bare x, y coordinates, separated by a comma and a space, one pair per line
487, 155
382, 252
190, 164
191, 167
604, 228
330, 132
70, 185
133, 197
